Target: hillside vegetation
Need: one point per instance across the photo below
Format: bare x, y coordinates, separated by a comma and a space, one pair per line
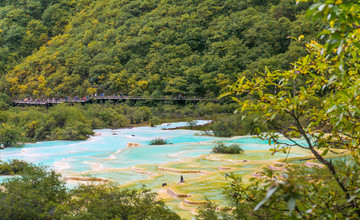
26, 25
149, 48
65, 122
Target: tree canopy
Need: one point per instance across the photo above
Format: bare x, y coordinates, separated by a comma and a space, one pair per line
154, 47
39, 193
317, 100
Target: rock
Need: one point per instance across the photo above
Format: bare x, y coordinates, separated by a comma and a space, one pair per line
224, 168
133, 145
86, 179
311, 164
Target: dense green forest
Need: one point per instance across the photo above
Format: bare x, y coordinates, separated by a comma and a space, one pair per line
39, 193
197, 48
319, 97
149, 48
64, 122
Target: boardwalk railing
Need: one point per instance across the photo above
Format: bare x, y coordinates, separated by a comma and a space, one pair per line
88, 99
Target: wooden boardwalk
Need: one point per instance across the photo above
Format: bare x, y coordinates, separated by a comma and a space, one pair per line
48, 102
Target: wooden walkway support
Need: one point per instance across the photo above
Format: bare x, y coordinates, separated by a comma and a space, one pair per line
49, 102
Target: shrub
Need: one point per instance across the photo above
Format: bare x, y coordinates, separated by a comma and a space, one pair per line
4, 101
158, 141
222, 128
221, 148
154, 121
107, 201
35, 194
13, 167
10, 136
40, 193
192, 124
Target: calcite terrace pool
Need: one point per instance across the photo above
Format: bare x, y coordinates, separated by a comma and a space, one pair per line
106, 155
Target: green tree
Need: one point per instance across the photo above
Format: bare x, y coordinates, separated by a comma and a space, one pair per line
136, 47
10, 136
110, 202
211, 211
221, 148
39, 193
222, 128
4, 101
192, 124
34, 194
13, 167
329, 75
154, 121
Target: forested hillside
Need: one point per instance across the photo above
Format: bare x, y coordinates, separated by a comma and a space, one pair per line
26, 25
150, 48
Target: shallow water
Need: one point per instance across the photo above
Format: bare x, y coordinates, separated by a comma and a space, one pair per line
106, 156
108, 150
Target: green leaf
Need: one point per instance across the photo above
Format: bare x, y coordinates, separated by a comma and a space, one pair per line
225, 94
273, 116
325, 152
236, 100
357, 44
260, 93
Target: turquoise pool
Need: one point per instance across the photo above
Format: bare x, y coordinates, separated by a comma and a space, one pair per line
106, 155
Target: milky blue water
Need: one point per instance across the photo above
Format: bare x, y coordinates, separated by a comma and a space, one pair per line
106, 155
